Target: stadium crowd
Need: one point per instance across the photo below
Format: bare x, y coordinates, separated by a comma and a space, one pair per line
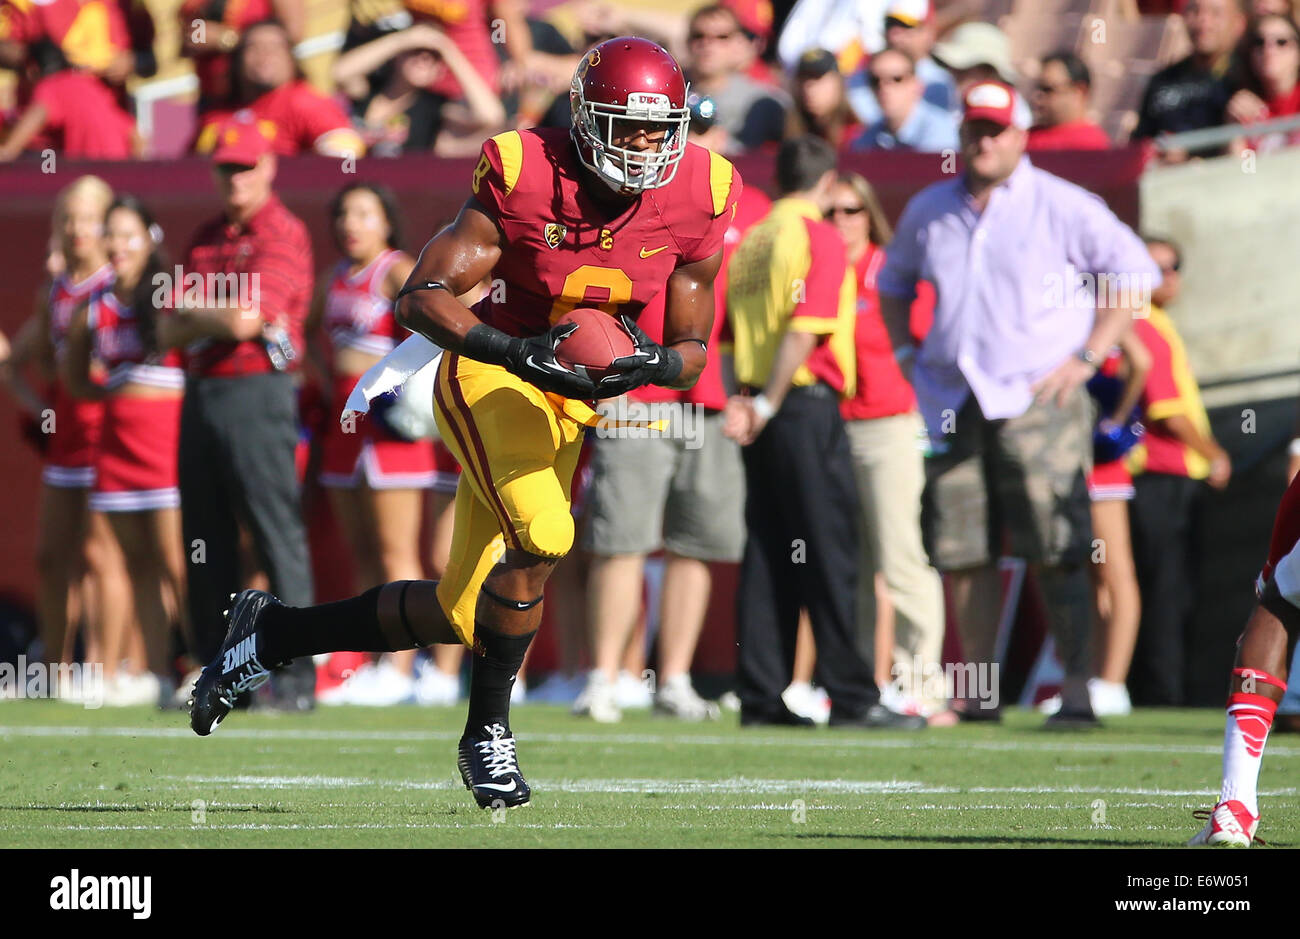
179, 425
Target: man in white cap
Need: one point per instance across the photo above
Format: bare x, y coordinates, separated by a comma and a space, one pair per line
910, 28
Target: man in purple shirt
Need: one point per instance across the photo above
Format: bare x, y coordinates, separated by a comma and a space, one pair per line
1035, 280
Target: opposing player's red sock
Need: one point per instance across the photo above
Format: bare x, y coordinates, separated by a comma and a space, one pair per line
1250, 716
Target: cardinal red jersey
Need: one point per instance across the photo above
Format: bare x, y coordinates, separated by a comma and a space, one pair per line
89, 33
70, 459
708, 391
120, 346
358, 314
293, 117
562, 249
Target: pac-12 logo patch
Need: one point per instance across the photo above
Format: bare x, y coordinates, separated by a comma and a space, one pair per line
554, 233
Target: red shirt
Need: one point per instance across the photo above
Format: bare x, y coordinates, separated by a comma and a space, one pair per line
213, 71
708, 391
1075, 135
293, 117
882, 390
564, 250
84, 120
273, 245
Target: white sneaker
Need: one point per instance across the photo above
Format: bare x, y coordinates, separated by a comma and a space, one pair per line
1050, 706
435, 688
599, 700
379, 685
128, 690
678, 698
633, 694
1109, 698
806, 701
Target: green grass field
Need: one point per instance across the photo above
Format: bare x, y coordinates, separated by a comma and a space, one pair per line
353, 777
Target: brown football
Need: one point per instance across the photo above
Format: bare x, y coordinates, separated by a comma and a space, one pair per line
598, 341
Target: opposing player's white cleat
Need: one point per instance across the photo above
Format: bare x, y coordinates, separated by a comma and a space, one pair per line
677, 698
1228, 825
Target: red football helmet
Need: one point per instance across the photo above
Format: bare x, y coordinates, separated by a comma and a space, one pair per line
629, 80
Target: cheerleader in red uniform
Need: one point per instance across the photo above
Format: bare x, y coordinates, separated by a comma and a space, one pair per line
376, 479
70, 428
136, 463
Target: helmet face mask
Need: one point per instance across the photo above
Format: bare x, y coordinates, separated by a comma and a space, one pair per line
624, 87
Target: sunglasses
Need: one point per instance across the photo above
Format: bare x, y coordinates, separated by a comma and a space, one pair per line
1277, 42
845, 210
719, 37
877, 80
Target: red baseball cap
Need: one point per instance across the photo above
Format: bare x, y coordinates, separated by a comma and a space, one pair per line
240, 140
990, 101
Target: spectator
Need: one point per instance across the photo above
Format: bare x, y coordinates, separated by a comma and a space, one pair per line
999, 375
907, 122
1272, 81
269, 86
477, 28
388, 81
909, 26
1262, 8
31, 32
794, 357
820, 107
78, 117
1060, 103
884, 427
853, 30
979, 52
238, 422
755, 18
1194, 92
1170, 466
210, 32
136, 467
684, 494
753, 115
376, 478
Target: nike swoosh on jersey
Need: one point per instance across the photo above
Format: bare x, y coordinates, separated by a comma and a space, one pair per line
646, 254
497, 786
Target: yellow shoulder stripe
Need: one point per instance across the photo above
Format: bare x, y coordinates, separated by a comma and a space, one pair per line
720, 173
511, 149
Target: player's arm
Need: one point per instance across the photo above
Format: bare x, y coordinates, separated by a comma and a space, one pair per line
453, 262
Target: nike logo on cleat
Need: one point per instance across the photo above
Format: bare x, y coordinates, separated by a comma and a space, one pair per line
239, 654
497, 786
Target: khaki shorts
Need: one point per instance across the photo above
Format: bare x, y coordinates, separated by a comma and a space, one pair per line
1013, 487
683, 491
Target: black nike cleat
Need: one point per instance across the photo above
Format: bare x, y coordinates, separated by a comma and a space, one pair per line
489, 768
238, 667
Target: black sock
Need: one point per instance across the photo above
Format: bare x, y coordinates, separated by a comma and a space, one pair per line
345, 626
496, 660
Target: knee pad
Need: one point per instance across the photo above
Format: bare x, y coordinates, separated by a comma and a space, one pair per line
549, 533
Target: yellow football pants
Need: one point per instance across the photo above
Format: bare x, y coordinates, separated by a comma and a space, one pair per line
518, 448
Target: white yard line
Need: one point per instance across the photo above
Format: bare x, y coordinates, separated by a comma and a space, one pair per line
842, 740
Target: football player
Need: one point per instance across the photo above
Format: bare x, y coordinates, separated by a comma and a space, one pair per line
607, 214
1258, 681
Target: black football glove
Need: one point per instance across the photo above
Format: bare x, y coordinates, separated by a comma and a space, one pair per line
649, 364
534, 361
